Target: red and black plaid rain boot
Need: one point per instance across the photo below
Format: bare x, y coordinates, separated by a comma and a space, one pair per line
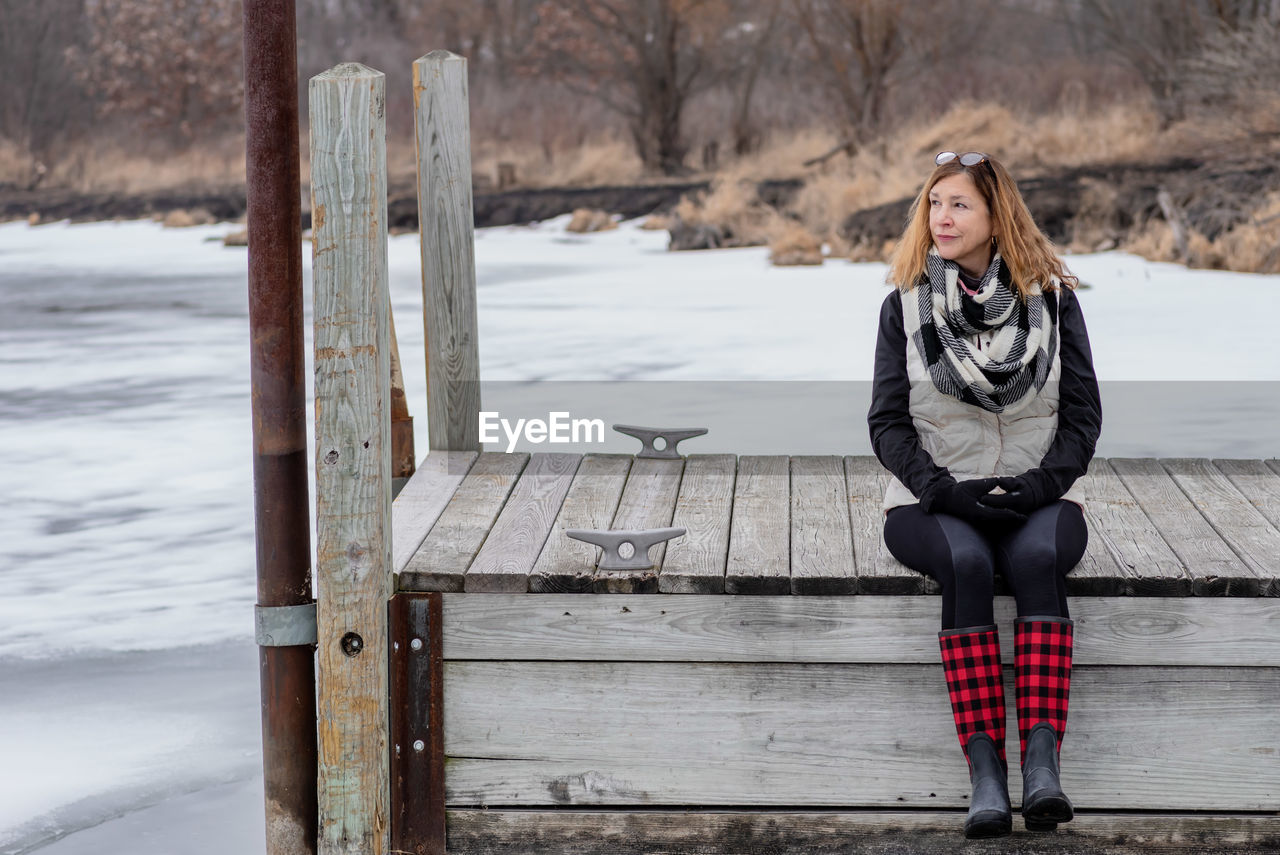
1042, 682
971, 661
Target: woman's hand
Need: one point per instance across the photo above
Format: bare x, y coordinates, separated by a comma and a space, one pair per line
1020, 494
963, 499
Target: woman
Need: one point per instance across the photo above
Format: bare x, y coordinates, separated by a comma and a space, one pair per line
985, 409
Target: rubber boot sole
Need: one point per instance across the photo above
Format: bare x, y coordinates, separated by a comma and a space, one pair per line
1046, 812
988, 824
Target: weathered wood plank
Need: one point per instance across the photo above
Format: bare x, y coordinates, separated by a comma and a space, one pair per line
419, 504
512, 547
1126, 554
442, 142
1185, 631
648, 501
878, 571
695, 563
760, 534
1214, 569
1259, 483
449, 548
353, 455
788, 832
1233, 517
832, 735
567, 565
821, 540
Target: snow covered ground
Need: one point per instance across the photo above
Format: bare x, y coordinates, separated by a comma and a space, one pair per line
128, 684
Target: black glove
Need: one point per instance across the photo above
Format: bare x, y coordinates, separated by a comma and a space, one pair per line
1021, 494
961, 499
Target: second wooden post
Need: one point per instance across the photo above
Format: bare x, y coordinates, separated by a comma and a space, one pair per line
353, 454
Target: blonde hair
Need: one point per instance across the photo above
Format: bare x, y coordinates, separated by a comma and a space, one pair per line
1029, 255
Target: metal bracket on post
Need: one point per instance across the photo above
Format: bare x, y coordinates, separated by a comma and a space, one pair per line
670, 436
417, 724
285, 626
611, 541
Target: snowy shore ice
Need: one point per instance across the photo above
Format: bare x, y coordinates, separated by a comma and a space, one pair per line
126, 664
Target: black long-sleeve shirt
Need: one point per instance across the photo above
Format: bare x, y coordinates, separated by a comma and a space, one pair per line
897, 445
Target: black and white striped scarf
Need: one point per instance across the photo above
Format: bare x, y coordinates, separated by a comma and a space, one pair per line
1006, 376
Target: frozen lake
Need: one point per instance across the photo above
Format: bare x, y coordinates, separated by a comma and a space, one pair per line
127, 485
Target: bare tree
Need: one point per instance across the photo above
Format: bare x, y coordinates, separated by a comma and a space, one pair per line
40, 101
856, 45
173, 65
746, 49
1158, 37
1237, 75
642, 59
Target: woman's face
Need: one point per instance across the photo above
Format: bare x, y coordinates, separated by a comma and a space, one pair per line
960, 223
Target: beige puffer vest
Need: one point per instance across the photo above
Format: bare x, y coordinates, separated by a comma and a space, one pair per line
973, 443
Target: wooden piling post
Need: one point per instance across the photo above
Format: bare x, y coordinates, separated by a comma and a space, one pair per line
353, 454
442, 141
403, 460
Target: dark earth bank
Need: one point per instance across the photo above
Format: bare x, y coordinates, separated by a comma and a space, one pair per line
1212, 196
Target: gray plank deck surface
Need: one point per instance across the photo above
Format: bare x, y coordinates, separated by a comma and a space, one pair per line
695, 563
567, 565
441, 562
760, 533
821, 542
809, 525
648, 501
512, 547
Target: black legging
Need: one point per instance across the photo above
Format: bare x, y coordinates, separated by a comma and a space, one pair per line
1033, 557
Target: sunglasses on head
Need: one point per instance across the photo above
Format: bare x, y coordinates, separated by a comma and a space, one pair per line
969, 158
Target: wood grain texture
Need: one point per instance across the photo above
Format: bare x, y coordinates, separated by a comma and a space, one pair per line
563, 831
1214, 569
512, 547
441, 562
1126, 554
1258, 482
648, 501
353, 454
1173, 631
878, 571
419, 504
695, 563
587, 733
442, 141
821, 540
566, 565
1241, 525
759, 559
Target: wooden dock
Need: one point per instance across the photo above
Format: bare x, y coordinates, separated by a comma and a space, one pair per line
721, 710
491, 522
772, 682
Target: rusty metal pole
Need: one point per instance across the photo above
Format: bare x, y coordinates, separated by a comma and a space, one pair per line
281, 508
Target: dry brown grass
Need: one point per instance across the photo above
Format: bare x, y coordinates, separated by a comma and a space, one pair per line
1251, 247
891, 169
782, 155
1072, 135
1095, 226
590, 220
15, 164
794, 245
1254, 246
124, 169
733, 207
602, 160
